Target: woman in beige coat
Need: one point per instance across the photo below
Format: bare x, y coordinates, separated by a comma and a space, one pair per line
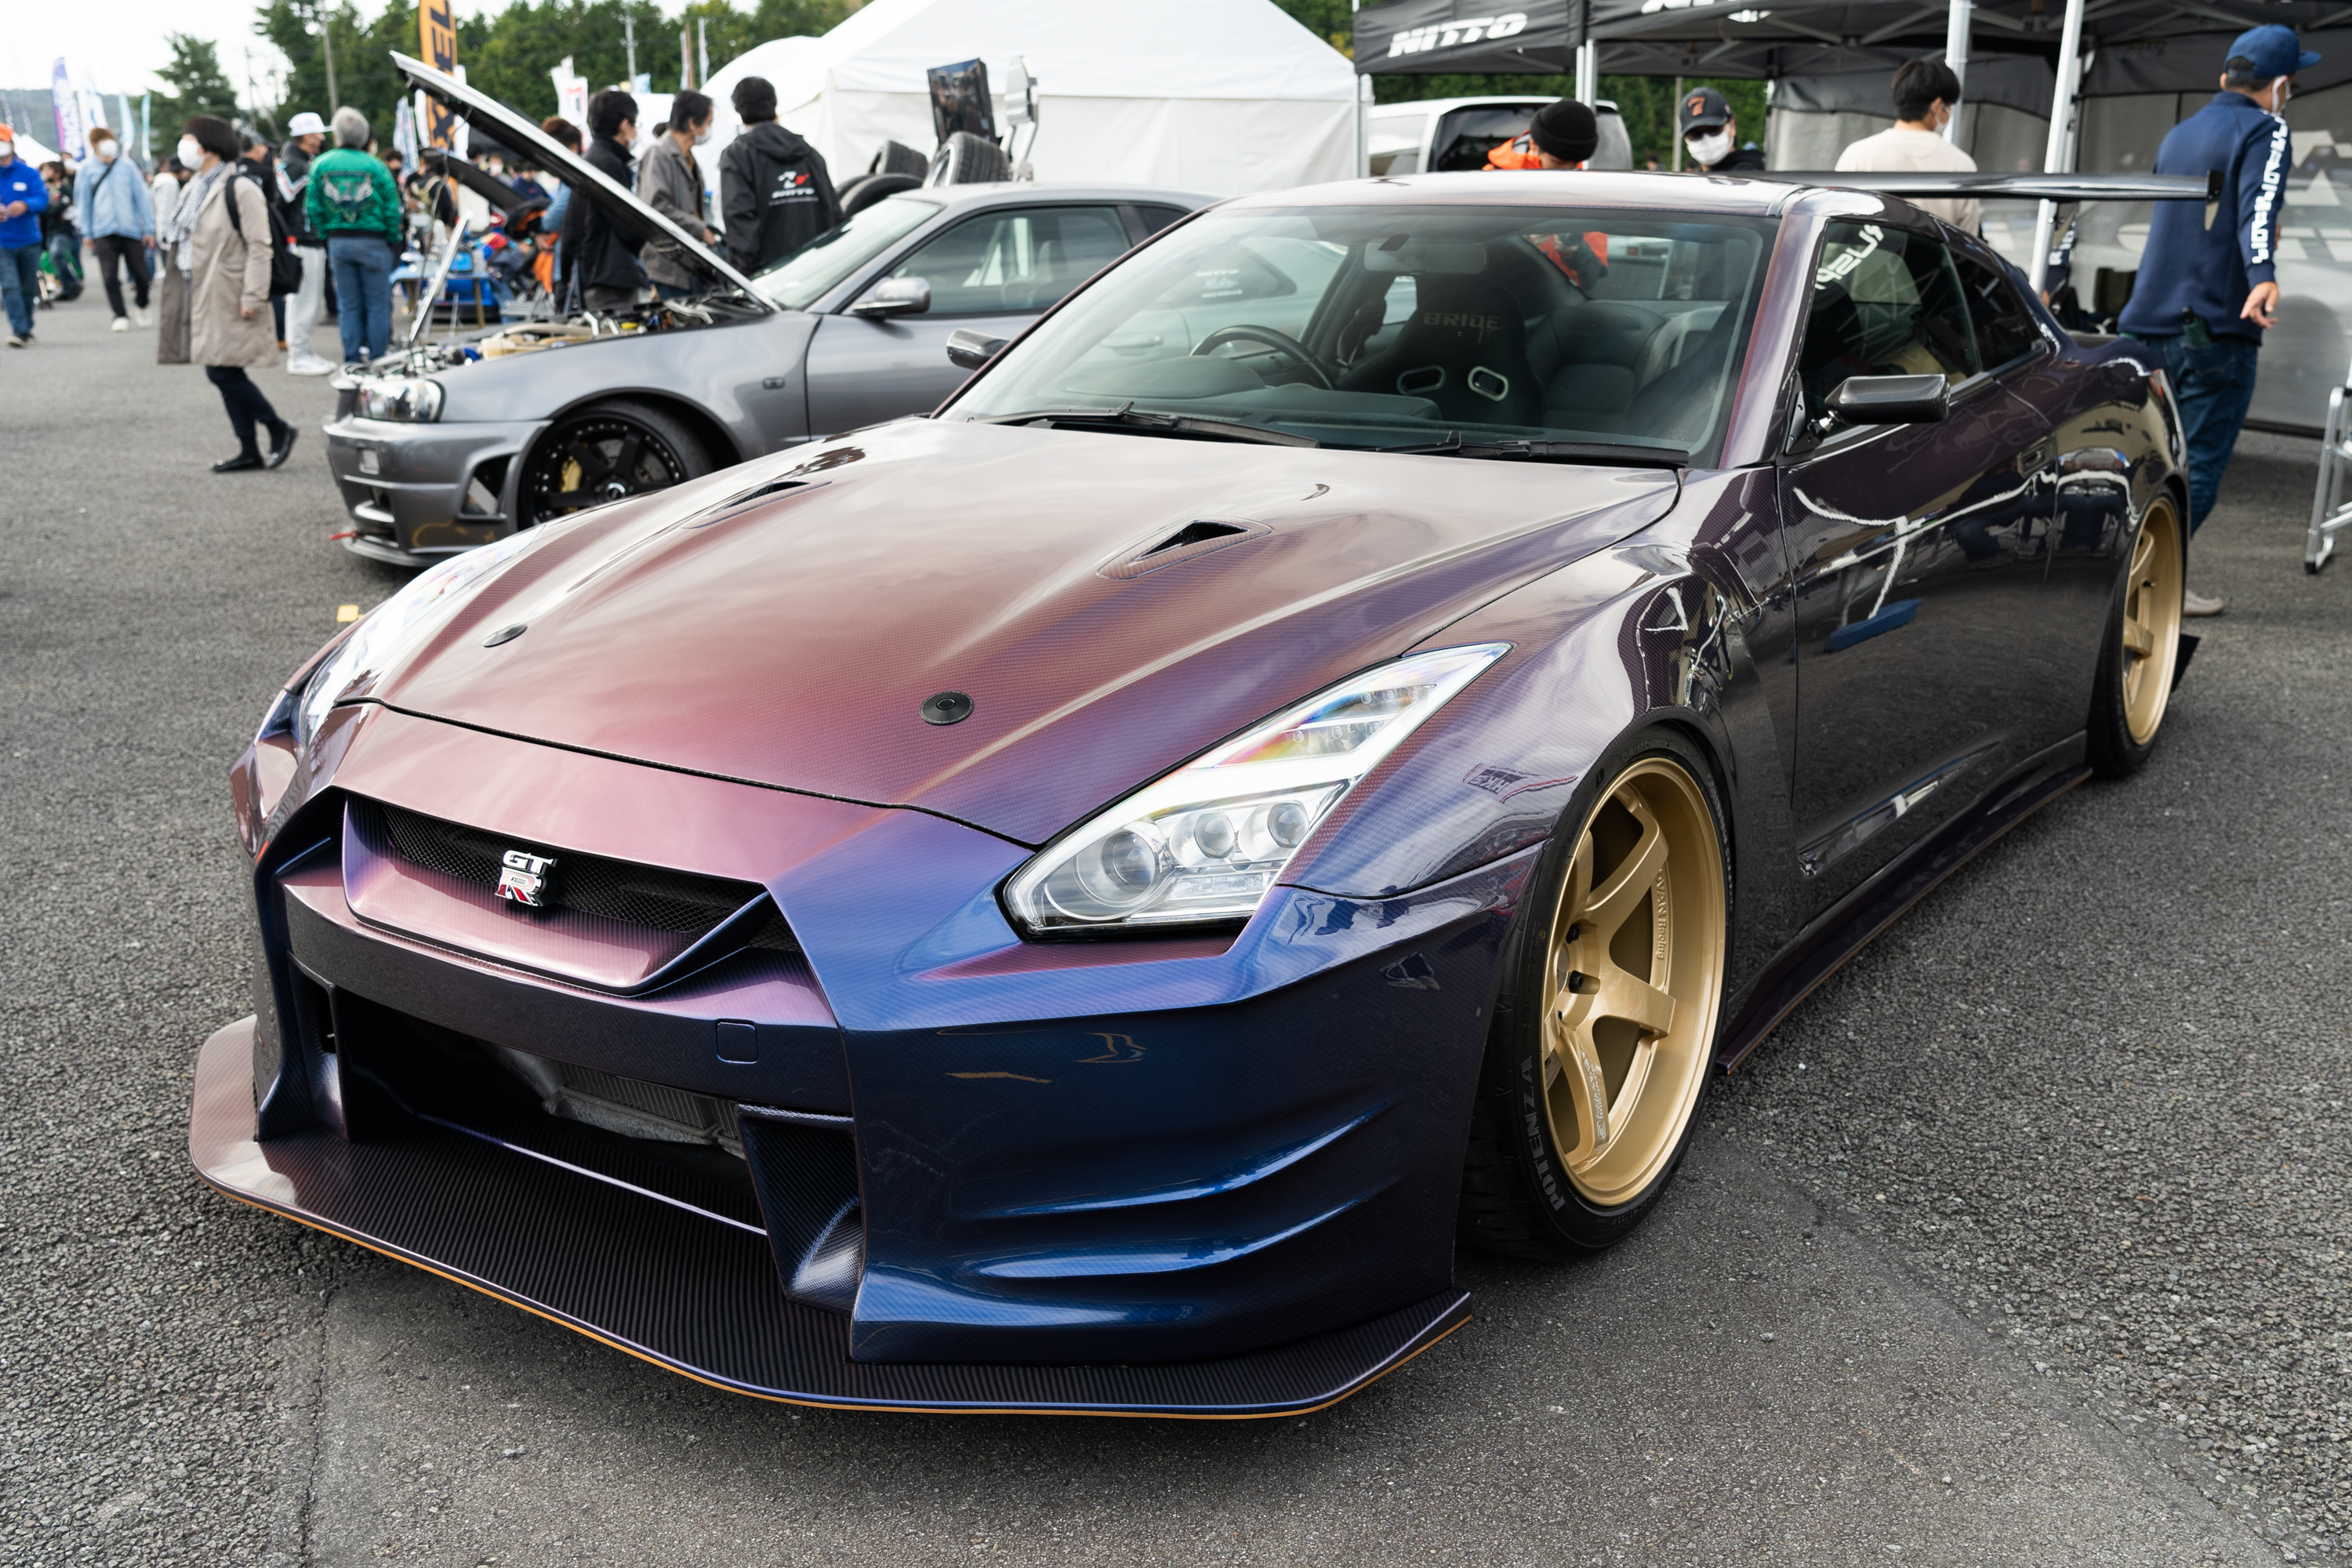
229, 323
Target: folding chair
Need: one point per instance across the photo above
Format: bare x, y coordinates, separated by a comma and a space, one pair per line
2330, 509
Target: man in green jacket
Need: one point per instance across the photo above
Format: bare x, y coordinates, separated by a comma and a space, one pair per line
353, 205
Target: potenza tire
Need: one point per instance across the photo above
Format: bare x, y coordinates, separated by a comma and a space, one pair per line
606, 453
2142, 647
1605, 1023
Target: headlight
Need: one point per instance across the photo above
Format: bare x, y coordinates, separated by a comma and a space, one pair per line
397, 625
411, 399
1204, 844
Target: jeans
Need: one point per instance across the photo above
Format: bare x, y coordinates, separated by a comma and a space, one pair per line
302, 311
246, 406
362, 295
65, 259
2213, 387
114, 252
20, 285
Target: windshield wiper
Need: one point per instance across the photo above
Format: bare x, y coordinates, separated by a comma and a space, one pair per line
1128, 416
1547, 451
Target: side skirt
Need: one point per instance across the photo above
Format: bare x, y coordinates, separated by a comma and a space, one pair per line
1870, 909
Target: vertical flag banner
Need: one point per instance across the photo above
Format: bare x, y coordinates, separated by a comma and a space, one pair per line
66, 103
571, 93
403, 132
437, 37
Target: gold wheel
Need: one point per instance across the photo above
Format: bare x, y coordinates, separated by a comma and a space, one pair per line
1633, 982
2151, 628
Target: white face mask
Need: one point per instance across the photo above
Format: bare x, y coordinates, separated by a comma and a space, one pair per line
702, 136
497, 166
105, 151
2279, 100
191, 156
1712, 147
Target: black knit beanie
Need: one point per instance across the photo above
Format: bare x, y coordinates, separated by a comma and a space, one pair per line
1567, 129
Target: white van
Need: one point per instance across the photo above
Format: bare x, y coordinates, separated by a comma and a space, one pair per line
1441, 134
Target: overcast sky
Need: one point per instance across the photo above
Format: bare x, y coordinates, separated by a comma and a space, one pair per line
121, 41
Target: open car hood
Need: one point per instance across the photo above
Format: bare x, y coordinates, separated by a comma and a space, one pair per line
783, 622
620, 206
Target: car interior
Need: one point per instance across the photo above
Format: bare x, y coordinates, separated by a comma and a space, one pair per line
1533, 324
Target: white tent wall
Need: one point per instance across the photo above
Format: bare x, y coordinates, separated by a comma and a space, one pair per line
1215, 96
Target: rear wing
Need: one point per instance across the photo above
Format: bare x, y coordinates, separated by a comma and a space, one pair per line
2015, 187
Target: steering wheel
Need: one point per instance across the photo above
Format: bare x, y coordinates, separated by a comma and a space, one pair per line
1288, 347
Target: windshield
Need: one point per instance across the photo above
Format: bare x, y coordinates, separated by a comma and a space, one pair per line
808, 274
1400, 327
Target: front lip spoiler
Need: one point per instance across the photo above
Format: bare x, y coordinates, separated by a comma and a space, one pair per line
702, 1300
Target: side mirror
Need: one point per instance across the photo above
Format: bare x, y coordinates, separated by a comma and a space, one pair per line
971, 350
895, 297
1891, 400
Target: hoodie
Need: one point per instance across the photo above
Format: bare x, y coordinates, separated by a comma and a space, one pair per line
774, 196
2206, 265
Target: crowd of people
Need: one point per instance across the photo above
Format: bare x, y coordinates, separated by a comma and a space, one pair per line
238, 249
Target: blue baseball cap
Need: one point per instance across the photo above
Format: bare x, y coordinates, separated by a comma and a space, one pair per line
2274, 49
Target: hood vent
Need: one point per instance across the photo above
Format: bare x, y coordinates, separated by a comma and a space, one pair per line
1202, 536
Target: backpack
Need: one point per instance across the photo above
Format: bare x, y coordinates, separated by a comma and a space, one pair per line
285, 267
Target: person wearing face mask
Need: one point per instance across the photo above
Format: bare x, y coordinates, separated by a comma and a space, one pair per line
171, 277
306, 134
1927, 96
24, 197
230, 327
670, 181
2208, 284
1710, 134
118, 216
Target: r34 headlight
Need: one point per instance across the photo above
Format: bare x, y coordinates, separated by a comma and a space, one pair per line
1204, 844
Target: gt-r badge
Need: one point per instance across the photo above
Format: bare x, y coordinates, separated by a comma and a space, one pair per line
523, 878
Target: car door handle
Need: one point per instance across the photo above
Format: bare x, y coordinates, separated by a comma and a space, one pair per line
2036, 458
775, 383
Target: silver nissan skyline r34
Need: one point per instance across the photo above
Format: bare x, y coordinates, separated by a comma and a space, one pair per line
440, 448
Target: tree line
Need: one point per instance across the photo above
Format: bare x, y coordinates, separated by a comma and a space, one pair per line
509, 54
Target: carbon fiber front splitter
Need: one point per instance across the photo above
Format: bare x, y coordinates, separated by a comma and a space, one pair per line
699, 1298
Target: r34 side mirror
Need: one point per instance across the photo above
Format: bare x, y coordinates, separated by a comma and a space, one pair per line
895, 297
970, 349
1891, 400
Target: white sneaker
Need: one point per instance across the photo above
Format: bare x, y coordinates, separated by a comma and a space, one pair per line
122, 323
138, 314
2195, 604
309, 364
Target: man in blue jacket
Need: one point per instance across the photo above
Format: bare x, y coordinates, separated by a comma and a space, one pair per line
22, 199
2208, 286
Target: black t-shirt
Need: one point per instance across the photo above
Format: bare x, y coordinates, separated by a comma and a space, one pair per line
1739, 160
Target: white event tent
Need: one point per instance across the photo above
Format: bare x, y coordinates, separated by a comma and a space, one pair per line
1215, 96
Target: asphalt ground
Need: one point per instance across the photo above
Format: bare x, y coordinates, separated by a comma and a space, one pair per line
2023, 1241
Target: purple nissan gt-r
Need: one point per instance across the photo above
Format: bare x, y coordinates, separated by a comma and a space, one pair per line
1313, 756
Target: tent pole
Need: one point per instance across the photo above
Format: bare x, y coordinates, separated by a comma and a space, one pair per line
2061, 118
1678, 164
1955, 54
1587, 55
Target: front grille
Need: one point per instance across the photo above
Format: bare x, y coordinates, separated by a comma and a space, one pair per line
650, 897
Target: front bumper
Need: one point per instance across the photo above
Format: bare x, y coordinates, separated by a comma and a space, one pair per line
419, 492
1207, 1177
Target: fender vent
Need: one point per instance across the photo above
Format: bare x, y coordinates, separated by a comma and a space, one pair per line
1202, 536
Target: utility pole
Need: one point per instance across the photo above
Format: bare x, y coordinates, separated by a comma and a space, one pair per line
327, 45
702, 35
629, 32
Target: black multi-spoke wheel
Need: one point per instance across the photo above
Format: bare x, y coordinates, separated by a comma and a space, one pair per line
607, 453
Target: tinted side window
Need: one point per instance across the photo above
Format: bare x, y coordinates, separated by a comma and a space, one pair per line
1886, 301
1156, 219
1015, 261
2004, 323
